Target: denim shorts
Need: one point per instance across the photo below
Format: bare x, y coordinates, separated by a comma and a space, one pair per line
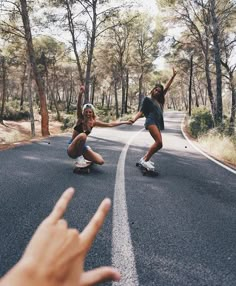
151, 121
85, 148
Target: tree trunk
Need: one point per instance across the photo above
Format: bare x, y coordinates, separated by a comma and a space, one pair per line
116, 99
52, 91
93, 89
233, 107
217, 55
37, 78
2, 61
72, 31
90, 54
127, 91
123, 92
69, 95
29, 83
195, 92
190, 87
140, 90
209, 88
233, 96
22, 87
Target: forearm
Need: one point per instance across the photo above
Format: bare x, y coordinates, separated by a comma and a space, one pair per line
19, 275
114, 123
137, 116
169, 82
26, 274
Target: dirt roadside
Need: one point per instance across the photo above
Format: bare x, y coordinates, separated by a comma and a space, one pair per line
15, 133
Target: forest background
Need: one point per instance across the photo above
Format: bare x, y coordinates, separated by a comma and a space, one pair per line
49, 48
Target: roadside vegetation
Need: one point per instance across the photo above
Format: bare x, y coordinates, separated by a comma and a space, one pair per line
220, 141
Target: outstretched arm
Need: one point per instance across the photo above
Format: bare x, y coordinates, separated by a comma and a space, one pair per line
136, 117
170, 82
111, 124
56, 253
79, 102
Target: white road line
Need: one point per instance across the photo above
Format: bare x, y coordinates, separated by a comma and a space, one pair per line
122, 249
204, 154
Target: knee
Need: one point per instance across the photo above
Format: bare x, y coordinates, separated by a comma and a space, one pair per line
81, 137
158, 146
71, 154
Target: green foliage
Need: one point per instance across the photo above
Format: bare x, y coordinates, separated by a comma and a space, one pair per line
12, 111
104, 114
201, 121
68, 122
166, 3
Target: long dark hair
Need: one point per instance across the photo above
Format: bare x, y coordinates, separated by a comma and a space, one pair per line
160, 96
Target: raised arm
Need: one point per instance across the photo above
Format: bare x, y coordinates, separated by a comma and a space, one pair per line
79, 102
170, 82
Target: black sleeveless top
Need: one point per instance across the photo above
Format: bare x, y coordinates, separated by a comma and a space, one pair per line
79, 129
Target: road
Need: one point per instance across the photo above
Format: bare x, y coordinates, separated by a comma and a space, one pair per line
175, 229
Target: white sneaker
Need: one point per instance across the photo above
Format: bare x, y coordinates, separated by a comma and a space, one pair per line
148, 165
142, 160
151, 162
80, 160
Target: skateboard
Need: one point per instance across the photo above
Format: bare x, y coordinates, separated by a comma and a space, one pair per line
146, 171
82, 168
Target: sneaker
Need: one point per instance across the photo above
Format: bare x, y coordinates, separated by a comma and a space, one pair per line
147, 165
151, 162
142, 160
80, 160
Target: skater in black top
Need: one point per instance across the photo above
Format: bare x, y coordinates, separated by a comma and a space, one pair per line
152, 108
86, 120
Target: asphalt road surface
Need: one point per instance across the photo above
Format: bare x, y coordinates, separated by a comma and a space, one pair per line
175, 229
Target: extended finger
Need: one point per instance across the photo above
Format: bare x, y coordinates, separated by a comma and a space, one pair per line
61, 205
91, 230
98, 275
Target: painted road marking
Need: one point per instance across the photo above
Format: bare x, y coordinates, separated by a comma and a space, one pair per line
122, 249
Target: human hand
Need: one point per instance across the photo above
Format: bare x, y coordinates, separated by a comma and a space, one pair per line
131, 121
128, 122
56, 254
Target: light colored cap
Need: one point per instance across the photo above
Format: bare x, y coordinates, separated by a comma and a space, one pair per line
88, 105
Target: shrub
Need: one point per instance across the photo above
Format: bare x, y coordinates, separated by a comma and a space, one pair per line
201, 121
68, 122
12, 111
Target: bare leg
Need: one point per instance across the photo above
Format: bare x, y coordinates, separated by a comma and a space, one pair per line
96, 158
156, 135
75, 148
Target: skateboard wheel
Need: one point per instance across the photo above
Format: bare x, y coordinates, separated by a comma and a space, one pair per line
137, 164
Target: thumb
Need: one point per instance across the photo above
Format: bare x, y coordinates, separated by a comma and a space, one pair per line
98, 275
